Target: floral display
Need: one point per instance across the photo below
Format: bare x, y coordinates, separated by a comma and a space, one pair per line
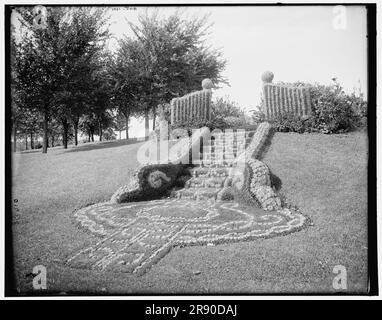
204, 205
135, 236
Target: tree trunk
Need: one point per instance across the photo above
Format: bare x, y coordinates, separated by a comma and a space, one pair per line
14, 136
26, 142
45, 135
89, 135
75, 125
52, 140
65, 133
32, 143
92, 133
100, 130
147, 128
154, 117
127, 126
65, 139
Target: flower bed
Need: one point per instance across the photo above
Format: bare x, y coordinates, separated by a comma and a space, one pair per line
137, 235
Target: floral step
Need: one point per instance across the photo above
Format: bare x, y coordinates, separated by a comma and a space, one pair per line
222, 150
212, 156
205, 182
196, 194
209, 172
216, 163
221, 139
228, 134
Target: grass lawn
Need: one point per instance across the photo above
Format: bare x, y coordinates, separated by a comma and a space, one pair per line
324, 175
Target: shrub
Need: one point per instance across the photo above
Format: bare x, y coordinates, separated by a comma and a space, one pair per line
288, 122
333, 111
223, 107
38, 145
236, 122
164, 112
258, 115
109, 134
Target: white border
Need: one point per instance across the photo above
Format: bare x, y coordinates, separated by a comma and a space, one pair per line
196, 298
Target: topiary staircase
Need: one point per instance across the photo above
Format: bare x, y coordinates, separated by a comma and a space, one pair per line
209, 175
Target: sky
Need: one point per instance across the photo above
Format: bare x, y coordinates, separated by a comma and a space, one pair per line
296, 43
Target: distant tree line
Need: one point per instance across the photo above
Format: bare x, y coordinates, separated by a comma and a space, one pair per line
65, 79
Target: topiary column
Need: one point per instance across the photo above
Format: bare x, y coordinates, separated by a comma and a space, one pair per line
280, 99
193, 106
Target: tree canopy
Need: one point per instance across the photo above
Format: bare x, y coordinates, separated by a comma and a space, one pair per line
63, 73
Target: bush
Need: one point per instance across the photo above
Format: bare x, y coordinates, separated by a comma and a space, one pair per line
258, 115
37, 145
224, 108
333, 111
236, 122
288, 122
164, 112
109, 134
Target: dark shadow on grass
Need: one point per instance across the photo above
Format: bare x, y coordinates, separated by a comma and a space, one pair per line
85, 146
101, 145
275, 181
30, 151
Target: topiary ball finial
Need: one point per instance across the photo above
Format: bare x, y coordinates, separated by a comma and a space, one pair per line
267, 76
207, 84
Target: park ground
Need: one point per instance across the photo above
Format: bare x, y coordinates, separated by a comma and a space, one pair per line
324, 175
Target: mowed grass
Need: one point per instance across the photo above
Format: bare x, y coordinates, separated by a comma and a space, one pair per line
324, 175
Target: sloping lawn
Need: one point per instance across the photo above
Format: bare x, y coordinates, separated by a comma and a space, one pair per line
325, 176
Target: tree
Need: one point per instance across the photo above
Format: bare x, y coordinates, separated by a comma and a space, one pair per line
173, 59
35, 69
119, 124
52, 63
100, 103
29, 124
16, 111
124, 70
16, 115
88, 124
86, 33
54, 131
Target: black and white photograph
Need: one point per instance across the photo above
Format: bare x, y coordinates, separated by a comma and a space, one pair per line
190, 149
